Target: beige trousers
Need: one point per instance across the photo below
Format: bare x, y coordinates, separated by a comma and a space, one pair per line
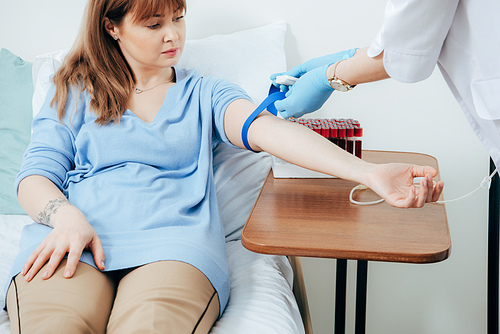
161, 297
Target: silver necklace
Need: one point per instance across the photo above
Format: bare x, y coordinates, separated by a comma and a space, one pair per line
137, 90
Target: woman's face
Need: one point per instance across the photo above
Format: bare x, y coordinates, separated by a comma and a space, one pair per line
155, 43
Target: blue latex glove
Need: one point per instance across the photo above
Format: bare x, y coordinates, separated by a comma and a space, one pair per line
312, 90
307, 95
310, 65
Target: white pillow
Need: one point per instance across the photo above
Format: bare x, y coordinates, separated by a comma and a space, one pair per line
43, 68
246, 58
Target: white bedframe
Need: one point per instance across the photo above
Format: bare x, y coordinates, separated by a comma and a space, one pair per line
262, 286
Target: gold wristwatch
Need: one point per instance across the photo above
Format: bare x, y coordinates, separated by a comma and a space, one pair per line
339, 84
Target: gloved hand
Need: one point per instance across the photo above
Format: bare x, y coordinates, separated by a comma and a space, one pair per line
307, 94
310, 65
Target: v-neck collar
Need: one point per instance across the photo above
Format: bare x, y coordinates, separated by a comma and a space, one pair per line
164, 103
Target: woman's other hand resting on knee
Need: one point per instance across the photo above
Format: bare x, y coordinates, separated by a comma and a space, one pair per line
71, 232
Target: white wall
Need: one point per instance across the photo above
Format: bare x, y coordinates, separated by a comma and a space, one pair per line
448, 297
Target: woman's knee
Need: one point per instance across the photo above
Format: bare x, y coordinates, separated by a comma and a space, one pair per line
166, 296
80, 304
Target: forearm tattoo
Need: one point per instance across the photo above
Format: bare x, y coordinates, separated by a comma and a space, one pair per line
50, 208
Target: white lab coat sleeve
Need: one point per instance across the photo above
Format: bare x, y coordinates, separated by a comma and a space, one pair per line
412, 35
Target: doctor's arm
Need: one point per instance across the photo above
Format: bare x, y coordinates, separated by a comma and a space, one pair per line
359, 69
411, 38
301, 146
312, 89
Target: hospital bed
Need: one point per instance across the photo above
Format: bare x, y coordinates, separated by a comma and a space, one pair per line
267, 292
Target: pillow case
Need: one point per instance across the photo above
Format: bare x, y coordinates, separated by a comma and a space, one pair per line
16, 91
43, 68
246, 58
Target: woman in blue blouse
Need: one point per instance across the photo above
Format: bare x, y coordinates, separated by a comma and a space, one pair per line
118, 180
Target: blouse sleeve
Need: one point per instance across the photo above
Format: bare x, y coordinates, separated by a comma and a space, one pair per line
51, 150
223, 94
412, 35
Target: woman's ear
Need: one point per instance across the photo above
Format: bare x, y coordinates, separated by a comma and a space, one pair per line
111, 29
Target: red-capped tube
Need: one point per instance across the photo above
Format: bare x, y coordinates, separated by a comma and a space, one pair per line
334, 131
349, 145
358, 149
342, 131
325, 130
350, 131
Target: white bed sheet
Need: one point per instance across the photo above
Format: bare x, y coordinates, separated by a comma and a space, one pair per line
10, 232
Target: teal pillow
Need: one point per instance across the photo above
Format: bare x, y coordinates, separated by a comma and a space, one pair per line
16, 93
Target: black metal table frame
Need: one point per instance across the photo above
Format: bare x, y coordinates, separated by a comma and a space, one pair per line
340, 296
493, 243
492, 273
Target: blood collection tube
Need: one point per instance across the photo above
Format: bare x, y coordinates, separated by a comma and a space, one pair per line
346, 133
325, 130
341, 139
358, 133
350, 138
334, 133
316, 128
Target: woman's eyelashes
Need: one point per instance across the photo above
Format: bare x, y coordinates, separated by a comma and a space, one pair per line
154, 26
157, 25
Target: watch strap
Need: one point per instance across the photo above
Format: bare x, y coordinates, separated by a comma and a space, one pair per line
342, 82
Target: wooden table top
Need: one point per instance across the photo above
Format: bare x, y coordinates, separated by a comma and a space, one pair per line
314, 218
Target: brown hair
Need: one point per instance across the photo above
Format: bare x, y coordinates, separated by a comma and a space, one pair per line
96, 64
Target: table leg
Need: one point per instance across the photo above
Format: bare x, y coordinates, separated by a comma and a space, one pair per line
340, 296
361, 287
493, 257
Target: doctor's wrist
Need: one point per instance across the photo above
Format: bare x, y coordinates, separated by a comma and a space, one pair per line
336, 81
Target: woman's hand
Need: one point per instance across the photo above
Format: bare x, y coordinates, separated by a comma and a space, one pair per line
395, 184
71, 234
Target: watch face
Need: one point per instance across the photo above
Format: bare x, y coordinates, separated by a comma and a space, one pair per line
338, 86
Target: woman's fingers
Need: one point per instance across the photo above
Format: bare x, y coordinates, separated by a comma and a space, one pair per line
73, 259
422, 194
429, 191
54, 261
54, 248
430, 187
39, 262
31, 259
79, 243
438, 189
75, 253
98, 251
426, 190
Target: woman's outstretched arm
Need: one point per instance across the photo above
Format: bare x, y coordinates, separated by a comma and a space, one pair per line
297, 144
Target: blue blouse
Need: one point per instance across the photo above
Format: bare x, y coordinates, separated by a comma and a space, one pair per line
146, 188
